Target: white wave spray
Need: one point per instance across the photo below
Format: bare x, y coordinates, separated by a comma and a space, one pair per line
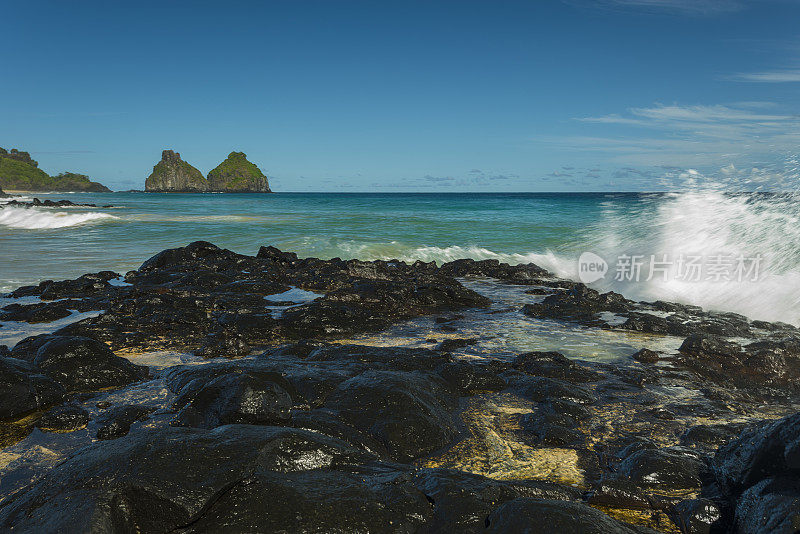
31, 218
705, 222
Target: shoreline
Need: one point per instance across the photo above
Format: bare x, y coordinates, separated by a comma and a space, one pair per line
392, 363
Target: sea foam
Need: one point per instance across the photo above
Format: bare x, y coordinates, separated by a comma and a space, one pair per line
30, 218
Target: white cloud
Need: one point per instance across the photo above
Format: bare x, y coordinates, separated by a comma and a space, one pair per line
698, 7
688, 7
694, 135
774, 76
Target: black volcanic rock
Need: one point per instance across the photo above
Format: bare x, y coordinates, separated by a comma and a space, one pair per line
759, 474
540, 516
117, 421
83, 364
65, 418
24, 389
251, 398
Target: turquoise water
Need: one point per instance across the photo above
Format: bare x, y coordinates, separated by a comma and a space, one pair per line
551, 230
367, 226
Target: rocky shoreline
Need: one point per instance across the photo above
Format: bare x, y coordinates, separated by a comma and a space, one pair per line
278, 414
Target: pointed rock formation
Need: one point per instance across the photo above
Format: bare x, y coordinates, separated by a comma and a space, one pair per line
174, 175
237, 175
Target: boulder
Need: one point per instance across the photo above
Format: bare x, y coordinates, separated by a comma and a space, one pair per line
84, 364
117, 421
164, 479
408, 412
65, 418
23, 389
543, 516
235, 397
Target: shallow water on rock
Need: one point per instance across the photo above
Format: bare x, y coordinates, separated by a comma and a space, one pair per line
12, 332
503, 331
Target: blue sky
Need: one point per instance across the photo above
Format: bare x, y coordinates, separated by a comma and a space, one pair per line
568, 95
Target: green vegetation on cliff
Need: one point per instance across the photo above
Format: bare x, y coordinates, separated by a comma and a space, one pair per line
172, 174
237, 174
18, 172
70, 181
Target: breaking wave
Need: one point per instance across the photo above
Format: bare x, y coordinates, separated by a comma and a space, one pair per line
30, 218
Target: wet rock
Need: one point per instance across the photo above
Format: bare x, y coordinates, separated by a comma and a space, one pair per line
697, 516
408, 412
83, 364
770, 507
199, 255
462, 501
619, 494
540, 389
35, 313
578, 303
710, 436
167, 478
524, 274
448, 319
708, 345
767, 450
554, 365
65, 418
646, 356
767, 363
331, 319
449, 345
224, 344
23, 389
535, 516
360, 499
236, 397
274, 254
663, 470
88, 285
117, 421
556, 423
469, 378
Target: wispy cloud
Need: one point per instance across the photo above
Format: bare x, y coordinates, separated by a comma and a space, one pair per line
473, 177
693, 135
774, 76
697, 7
688, 7
63, 152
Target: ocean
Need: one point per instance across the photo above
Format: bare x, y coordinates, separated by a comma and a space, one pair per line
661, 234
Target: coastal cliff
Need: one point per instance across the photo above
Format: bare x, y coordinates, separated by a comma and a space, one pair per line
172, 174
19, 172
238, 175
234, 175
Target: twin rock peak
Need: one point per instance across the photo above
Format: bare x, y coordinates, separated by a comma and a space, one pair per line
234, 175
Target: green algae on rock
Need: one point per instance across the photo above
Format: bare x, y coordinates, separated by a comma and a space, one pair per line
238, 175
